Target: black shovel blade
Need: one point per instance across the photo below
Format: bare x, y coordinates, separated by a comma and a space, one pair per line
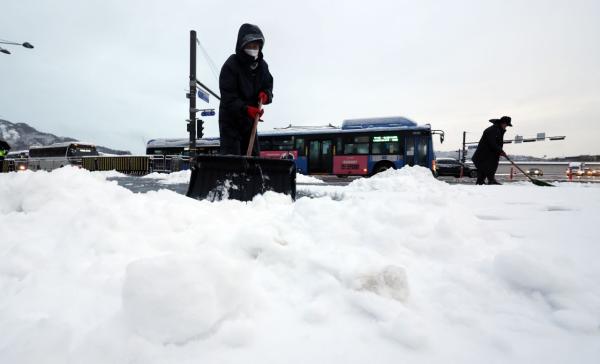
541, 183
221, 177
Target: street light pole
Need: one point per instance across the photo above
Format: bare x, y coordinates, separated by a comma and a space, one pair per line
6, 51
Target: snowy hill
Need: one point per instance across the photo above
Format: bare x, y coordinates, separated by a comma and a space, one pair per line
398, 268
21, 136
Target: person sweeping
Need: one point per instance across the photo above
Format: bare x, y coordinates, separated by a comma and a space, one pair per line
489, 150
246, 84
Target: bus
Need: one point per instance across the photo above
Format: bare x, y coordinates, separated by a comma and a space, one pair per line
180, 147
59, 155
360, 147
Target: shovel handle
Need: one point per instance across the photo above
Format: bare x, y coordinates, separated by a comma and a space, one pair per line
253, 134
519, 168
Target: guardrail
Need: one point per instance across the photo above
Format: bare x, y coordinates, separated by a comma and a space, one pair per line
133, 165
168, 164
136, 165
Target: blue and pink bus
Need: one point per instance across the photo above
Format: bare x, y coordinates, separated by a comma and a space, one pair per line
359, 147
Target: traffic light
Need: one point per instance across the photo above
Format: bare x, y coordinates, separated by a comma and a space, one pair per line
200, 129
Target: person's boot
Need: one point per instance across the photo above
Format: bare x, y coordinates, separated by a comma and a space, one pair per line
494, 182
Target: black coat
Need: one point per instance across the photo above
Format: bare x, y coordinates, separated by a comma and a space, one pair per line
487, 155
240, 81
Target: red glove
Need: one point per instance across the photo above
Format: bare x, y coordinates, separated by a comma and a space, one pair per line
263, 97
502, 154
253, 112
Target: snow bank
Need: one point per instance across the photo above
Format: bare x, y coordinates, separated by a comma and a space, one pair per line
171, 178
184, 177
397, 268
301, 178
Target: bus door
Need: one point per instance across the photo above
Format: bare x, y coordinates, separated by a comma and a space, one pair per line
422, 150
320, 156
409, 153
417, 151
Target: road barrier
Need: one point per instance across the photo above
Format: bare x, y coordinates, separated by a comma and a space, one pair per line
127, 164
135, 165
6, 166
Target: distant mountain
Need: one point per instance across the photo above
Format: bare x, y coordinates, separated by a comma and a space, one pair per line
21, 136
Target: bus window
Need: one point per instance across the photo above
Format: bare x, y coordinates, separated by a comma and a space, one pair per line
386, 144
81, 151
283, 143
264, 143
299, 146
357, 145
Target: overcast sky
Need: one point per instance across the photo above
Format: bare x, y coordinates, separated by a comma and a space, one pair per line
114, 72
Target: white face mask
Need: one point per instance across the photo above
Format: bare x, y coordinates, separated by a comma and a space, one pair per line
252, 52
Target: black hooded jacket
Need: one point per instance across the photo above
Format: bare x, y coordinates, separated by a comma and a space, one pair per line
487, 155
240, 81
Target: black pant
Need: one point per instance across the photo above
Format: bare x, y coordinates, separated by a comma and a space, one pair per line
238, 145
482, 175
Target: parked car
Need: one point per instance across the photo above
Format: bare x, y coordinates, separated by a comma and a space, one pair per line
452, 167
534, 172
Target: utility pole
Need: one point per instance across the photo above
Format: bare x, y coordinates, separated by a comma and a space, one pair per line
191, 127
464, 147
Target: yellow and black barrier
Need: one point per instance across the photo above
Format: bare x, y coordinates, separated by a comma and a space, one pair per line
136, 165
5, 166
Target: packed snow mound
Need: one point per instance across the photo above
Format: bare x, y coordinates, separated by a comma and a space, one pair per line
406, 179
171, 178
301, 178
404, 268
184, 177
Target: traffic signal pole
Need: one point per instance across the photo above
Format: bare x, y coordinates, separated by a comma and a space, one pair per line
464, 147
191, 127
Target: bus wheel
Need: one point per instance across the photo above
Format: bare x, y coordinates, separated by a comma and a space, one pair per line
382, 167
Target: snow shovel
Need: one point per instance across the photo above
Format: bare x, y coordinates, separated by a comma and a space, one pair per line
253, 135
221, 177
536, 182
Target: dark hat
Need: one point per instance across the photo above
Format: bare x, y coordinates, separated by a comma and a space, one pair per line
504, 119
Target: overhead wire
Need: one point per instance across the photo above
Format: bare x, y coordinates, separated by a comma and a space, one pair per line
211, 63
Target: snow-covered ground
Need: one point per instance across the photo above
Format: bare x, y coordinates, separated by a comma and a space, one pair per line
184, 177
396, 268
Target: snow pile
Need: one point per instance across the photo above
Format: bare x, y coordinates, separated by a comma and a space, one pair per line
399, 268
184, 177
301, 178
171, 178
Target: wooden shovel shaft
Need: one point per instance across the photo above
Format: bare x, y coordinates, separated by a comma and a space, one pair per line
519, 168
253, 135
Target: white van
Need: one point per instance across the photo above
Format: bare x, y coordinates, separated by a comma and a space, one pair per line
576, 168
